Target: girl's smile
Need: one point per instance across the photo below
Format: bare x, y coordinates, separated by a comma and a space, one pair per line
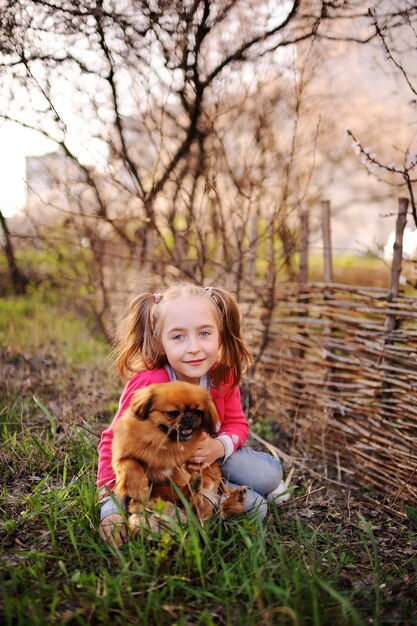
190, 337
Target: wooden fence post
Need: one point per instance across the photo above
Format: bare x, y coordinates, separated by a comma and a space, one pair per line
387, 394
328, 410
302, 299
327, 243
304, 234
391, 322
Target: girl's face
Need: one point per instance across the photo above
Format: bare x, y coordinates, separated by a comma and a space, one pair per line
189, 337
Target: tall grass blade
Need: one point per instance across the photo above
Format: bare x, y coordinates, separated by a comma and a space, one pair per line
47, 414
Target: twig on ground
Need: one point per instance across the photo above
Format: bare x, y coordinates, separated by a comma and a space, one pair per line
276, 452
303, 497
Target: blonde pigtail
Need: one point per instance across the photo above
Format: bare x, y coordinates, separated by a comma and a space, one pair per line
234, 355
135, 339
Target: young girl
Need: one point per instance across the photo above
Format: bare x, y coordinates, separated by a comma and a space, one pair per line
190, 333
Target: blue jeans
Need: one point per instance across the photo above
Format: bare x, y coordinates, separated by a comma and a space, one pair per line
259, 471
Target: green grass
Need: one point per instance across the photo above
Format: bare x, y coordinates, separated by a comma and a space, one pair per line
61, 260
352, 270
54, 567
36, 323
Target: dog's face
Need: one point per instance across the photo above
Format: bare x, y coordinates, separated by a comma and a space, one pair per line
177, 409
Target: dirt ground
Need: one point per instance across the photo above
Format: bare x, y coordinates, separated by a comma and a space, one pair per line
390, 564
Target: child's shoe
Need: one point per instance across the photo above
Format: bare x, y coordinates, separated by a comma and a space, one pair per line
280, 494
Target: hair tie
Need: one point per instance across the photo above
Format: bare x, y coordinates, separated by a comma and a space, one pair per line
157, 297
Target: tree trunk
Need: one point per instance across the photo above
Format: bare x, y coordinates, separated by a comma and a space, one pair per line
17, 277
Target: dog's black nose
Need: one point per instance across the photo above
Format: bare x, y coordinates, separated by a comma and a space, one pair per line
188, 421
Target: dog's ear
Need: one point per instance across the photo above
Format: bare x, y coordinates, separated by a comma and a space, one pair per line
142, 403
210, 418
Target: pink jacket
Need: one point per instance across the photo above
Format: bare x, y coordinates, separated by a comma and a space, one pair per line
233, 426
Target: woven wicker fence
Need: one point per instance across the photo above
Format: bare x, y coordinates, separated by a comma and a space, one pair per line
338, 381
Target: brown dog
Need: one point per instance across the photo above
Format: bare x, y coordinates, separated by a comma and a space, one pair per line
152, 443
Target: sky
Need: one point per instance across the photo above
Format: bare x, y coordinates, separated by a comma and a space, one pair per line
16, 143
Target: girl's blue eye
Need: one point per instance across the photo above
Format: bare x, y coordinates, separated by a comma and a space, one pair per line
205, 333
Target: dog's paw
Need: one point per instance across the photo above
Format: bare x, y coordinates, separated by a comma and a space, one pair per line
135, 523
134, 506
241, 494
233, 502
203, 506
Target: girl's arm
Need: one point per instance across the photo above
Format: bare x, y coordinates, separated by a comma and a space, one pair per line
111, 506
113, 527
105, 473
233, 432
234, 427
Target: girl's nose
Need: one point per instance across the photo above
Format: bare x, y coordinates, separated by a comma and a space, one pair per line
193, 345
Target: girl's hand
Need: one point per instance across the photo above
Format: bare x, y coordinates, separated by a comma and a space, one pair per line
113, 529
208, 451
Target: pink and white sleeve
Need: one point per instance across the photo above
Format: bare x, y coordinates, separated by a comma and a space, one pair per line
234, 429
